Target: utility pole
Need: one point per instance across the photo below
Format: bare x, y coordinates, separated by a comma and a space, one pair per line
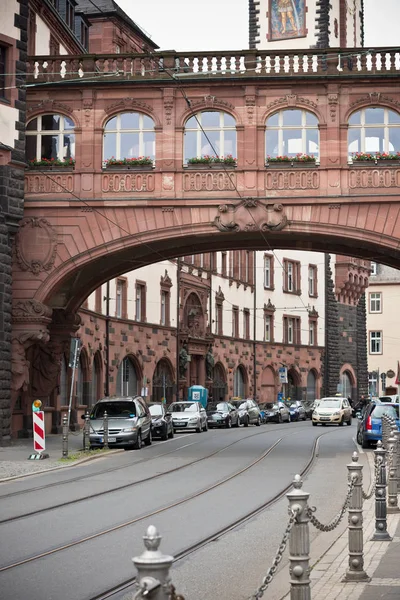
107, 382
178, 293
254, 327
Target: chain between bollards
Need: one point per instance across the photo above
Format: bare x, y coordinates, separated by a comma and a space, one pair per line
87, 431
65, 437
355, 572
381, 533
105, 430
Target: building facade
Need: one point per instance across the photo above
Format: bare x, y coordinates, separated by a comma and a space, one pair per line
227, 319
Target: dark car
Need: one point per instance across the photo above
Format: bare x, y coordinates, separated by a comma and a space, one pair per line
275, 413
369, 428
294, 412
161, 421
222, 414
249, 412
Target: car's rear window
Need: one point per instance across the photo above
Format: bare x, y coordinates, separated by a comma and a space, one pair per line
115, 410
381, 409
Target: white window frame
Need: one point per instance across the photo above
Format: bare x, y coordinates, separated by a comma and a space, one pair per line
281, 128
375, 302
118, 130
311, 281
267, 328
198, 128
138, 301
312, 330
267, 271
39, 132
375, 342
365, 126
163, 307
290, 330
374, 269
290, 276
118, 299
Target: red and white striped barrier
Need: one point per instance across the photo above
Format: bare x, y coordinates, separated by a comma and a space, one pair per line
39, 441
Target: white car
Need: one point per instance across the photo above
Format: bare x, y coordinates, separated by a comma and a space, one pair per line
332, 410
188, 415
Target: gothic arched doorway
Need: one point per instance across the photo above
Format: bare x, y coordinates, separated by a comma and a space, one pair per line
294, 385
163, 382
219, 383
311, 386
127, 378
239, 383
346, 384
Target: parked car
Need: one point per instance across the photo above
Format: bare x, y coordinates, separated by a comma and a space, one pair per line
294, 412
309, 408
300, 410
392, 399
276, 413
188, 415
243, 413
222, 414
369, 429
129, 423
335, 410
249, 411
161, 421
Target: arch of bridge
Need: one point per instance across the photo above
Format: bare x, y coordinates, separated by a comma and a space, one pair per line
84, 249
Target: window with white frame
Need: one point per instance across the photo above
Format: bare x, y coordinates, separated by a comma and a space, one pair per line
290, 331
292, 132
374, 268
375, 302
312, 280
129, 135
268, 328
313, 333
267, 272
290, 277
164, 307
210, 133
375, 342
50, 137
375, 129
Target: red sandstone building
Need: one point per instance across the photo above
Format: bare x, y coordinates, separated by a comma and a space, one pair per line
79, 111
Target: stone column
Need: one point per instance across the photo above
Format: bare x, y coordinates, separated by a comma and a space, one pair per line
201, 371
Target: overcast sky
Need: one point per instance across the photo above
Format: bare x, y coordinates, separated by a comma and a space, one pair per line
223, 24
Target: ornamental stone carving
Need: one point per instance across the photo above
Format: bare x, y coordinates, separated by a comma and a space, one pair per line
36, 245
263, 217
291, 100
128, 103
374, 178
333, 101
292, 179
128, 182
216, 181
30, 310
55, 184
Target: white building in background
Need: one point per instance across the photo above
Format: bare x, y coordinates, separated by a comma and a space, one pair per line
383, 329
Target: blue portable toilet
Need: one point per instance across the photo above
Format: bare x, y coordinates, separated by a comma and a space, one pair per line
198, 393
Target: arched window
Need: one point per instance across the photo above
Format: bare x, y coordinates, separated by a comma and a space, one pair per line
373, 130
50, 137
129, 135
219, 384
311, 386
239, 386
292, 132
127, 379
220, 129
163, 383
345, 382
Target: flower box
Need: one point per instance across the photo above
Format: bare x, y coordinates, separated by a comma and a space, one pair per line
128, 167
367, 164
51, 168
213, 166
295, 164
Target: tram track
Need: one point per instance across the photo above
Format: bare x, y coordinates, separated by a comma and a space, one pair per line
153, 513
123, 587
120, 487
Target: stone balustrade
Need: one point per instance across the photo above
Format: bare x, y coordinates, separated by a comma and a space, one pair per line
226, 64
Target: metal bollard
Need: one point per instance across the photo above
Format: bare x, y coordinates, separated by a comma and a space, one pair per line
397, 435
105, 430
381, 533
299, 543
153, 567
87, 431
65, 437
356, 572
385, 430
393, 506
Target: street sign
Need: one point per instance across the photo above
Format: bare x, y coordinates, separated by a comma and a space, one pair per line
283, 374
280, 396
74, 353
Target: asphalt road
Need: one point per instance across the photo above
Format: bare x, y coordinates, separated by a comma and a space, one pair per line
111, 492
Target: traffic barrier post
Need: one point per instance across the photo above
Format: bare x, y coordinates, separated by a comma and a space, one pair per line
105, 430
299, 543
393, 506
87, 431
65, 436
381, 533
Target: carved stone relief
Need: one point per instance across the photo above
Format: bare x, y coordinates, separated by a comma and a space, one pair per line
374, 178
250, 217
128, 103
122, 182
168, 183
57, 184
36, 245
333, 100
215, 181
292, 180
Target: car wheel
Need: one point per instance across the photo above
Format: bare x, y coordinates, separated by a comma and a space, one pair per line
279, 418
258, 422
164, 435
323, 424
228, 424
171, 433
198, 429
315, 424
364, 443
359, 437
149, 440
205, 428
138, 444
341, 422
349, 421
237, 423
246, 423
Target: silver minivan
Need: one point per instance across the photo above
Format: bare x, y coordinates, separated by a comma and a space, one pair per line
129, 423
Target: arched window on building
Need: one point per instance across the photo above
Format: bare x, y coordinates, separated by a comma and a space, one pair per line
311, 386
220, 128
346, 384
163, 382
129, 135
373, 130
219, 383
50, 137
292, 132
239, 383
294, 385
127, 378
